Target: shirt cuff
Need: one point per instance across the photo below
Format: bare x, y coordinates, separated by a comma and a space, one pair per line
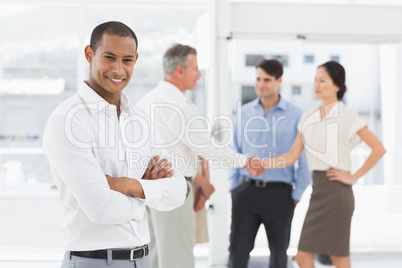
152, 191
297, 194
242, 160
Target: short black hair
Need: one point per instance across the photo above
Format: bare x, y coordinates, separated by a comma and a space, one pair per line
272, 67
338, 76
112, 28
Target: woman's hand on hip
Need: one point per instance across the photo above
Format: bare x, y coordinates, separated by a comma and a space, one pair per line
340, 175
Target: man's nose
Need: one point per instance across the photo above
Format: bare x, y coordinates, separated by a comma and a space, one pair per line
118, 68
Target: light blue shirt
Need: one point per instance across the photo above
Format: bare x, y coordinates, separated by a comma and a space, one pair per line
268, 136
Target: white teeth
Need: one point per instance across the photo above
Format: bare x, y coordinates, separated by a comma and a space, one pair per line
116, 80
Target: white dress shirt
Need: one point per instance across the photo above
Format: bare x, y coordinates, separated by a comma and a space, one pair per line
186, 133
84, 140
328, 142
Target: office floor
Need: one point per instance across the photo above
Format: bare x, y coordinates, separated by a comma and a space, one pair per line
388, 260
361, 260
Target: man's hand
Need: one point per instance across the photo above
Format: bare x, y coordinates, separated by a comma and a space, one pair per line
158, 169
254, 166
199, 200
203, 182
208, 190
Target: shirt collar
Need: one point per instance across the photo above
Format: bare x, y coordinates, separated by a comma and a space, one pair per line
172, 91
96, 103
282, 104
334, 111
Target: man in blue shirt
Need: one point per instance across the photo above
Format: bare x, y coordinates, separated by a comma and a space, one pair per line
265, 127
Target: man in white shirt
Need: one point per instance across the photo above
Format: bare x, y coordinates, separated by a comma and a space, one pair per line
104, 163
186, 138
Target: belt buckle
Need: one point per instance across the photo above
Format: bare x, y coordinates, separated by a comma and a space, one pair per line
260, 184
135, 250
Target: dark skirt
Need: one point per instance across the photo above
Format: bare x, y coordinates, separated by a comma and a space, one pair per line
326, 228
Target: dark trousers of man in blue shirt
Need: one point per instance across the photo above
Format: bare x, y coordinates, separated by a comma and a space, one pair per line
255, 203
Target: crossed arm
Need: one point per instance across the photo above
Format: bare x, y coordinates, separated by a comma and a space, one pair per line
157, 169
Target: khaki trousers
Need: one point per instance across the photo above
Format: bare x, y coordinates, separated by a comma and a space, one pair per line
173, 235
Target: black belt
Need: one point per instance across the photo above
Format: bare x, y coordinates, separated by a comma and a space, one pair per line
190, 179
265, 184
118, 254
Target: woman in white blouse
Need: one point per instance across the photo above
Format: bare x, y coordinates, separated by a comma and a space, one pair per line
329, 133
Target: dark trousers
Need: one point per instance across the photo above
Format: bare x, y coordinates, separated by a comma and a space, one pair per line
272, 206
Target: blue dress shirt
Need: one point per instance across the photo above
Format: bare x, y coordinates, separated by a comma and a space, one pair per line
267, 136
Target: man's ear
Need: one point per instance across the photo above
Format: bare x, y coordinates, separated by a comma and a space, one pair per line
179, 70
280, 80
136, 58
89, 53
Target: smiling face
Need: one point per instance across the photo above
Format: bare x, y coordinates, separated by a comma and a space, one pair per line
266, 86
324, 87
111, 66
